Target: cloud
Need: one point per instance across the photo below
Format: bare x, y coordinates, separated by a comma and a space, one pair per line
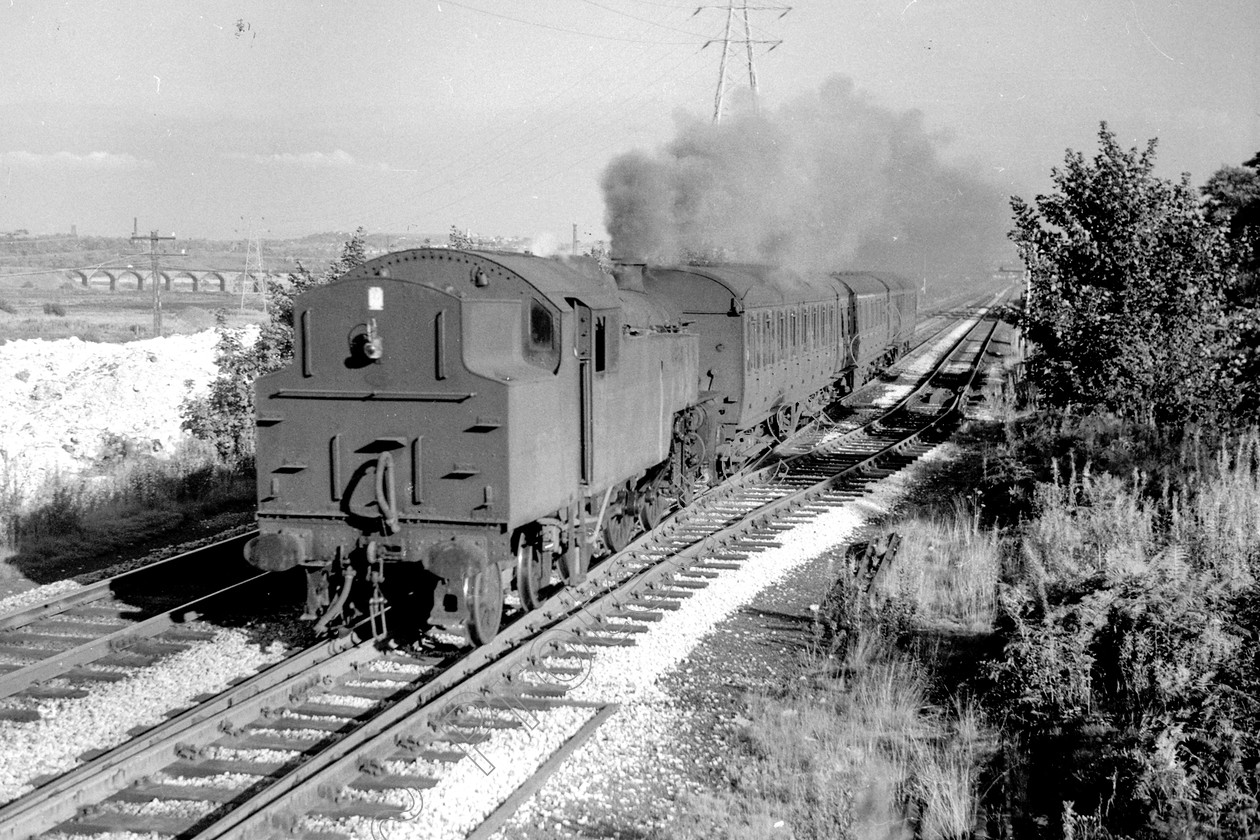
338, 159
92, 160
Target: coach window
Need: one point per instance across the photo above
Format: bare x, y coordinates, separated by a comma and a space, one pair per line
767, 351
783, 336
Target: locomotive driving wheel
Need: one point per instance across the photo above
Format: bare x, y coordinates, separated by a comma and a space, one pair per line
619, 530
533, 570
653, 507
485, 604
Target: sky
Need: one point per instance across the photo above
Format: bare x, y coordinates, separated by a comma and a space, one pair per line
288, 117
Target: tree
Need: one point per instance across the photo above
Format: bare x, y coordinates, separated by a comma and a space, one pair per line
1126, 290
1232, 198
225, 415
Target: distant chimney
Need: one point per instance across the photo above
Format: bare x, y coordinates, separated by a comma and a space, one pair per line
629, 276
135, 225
74, 231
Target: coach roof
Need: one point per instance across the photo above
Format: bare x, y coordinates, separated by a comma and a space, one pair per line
760, 285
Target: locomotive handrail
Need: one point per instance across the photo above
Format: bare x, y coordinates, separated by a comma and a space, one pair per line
424, 396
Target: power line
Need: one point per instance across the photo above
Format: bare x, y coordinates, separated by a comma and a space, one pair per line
642, 20
484, 162
560, 28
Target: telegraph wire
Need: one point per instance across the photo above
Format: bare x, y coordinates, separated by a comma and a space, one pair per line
560, 28
570, 161
616, 111
643, 20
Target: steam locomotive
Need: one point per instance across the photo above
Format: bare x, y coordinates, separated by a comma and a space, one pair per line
456, 425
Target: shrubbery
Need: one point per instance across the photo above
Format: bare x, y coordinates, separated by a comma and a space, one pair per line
1127, 301
1129, 682
55, 309
1129, 677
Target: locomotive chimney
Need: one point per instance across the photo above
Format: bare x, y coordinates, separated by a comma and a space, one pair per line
629, 276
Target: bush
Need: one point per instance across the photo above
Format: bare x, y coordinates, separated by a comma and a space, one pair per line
1126, 291
5, 306
55, 309
225, 416
1129, 677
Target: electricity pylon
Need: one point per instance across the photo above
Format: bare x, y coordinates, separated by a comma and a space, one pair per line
729, 43
254, 259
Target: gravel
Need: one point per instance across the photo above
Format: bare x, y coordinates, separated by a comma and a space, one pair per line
21, 600
69, 727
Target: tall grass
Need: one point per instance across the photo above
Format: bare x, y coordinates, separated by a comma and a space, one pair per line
129, 499
857, 747
950, 571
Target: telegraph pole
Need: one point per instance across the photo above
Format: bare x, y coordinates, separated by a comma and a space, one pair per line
155, 279
728, 48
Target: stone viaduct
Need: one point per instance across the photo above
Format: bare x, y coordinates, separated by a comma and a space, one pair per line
174, 279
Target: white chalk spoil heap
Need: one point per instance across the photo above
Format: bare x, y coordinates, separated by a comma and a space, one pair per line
61, 400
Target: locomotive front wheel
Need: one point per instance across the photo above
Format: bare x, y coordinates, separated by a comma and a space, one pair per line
485, 607
533, 572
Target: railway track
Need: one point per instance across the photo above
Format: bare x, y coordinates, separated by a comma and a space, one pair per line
319, 740
115, 625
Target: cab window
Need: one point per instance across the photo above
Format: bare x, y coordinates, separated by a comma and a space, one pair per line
542, 336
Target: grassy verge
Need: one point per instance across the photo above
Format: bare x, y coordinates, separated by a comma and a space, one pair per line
132, 503
879, 734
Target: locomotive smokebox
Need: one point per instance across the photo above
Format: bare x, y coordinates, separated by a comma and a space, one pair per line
629, 277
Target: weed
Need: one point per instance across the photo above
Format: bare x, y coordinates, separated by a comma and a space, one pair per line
1128, 677
55, 309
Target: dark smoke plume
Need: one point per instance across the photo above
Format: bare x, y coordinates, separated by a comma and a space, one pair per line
829, 181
